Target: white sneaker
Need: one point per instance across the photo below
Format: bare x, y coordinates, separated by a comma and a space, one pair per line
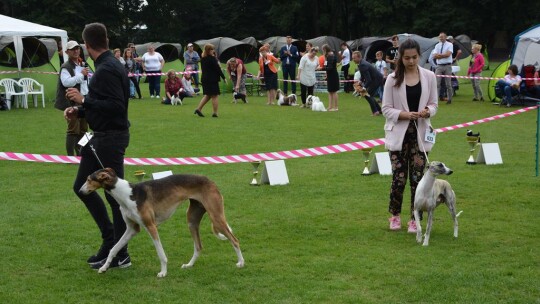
157, 96
151, 96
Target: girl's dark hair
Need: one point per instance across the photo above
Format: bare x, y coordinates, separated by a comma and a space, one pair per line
326, 49
400, 67
514, 69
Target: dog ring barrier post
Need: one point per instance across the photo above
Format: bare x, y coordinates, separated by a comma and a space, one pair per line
537, 133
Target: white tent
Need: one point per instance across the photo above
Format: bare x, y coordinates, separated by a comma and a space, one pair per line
527, 48
20, 28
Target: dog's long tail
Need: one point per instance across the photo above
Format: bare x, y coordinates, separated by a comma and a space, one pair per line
457, 215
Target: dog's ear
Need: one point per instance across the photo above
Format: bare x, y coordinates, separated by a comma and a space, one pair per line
110, 170
103, 176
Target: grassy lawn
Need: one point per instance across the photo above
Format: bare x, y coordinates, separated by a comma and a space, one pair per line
323, 238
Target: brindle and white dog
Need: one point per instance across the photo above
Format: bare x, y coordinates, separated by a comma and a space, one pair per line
150, 203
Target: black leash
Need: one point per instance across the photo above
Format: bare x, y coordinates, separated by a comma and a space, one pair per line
94, 151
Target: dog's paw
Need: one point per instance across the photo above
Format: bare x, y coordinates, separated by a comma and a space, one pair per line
425, 244
102, 269
186, 266
162, 274
240, 264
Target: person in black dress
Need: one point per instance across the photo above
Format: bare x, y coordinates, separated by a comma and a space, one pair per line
332, 77
211, 72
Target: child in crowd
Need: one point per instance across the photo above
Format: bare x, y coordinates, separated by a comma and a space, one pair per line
189, 90
381, 66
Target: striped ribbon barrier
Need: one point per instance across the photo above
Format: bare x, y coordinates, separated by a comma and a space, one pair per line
210, 160
284, 80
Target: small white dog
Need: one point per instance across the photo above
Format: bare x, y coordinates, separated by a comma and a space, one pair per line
176, 99
315, 104
285, 100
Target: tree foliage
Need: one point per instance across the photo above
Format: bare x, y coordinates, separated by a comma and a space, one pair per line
190, 20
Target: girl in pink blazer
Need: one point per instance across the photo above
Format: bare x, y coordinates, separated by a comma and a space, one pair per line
410, 99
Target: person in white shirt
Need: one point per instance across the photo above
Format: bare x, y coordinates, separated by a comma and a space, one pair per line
509, 86
187, 83
73, 74
152, 63
345, 64
306, 73
443, 59
381, 66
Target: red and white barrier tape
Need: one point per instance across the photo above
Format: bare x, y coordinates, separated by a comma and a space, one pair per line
284, 80
210, 160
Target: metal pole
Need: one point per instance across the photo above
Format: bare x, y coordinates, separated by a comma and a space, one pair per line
537, 133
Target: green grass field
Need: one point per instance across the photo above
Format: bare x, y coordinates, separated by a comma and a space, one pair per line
323, 238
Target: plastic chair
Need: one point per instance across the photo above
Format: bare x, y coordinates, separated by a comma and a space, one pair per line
10, 88
32, 87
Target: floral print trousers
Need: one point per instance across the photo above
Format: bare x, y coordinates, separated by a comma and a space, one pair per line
409, 162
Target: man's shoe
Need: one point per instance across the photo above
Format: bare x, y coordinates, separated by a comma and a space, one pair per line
117, 262
102, 253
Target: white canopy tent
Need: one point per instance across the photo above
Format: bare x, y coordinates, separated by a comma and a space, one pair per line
527, 48
20, 28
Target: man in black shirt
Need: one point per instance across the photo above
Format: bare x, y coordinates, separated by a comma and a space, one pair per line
392, 53
106, 110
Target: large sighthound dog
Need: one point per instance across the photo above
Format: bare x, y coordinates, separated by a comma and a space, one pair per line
430, 193
150, 203
283, 100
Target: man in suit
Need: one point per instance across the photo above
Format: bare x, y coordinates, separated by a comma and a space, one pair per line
289, 55
371, 80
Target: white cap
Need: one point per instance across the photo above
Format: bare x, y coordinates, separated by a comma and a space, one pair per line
190, 44
72, 44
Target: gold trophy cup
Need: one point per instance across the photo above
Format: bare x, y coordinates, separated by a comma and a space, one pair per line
255, 165
366, 152
473, 143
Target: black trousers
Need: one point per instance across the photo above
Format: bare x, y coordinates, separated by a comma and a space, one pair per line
347, 86
289, 72
110, 148
305, 91
375, 107
136, 84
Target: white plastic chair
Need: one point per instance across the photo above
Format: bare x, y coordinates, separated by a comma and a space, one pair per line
10, 86
32, 87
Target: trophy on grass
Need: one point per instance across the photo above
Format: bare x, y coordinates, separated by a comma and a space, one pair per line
473, 140
255, 165
366, 152
139, 174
